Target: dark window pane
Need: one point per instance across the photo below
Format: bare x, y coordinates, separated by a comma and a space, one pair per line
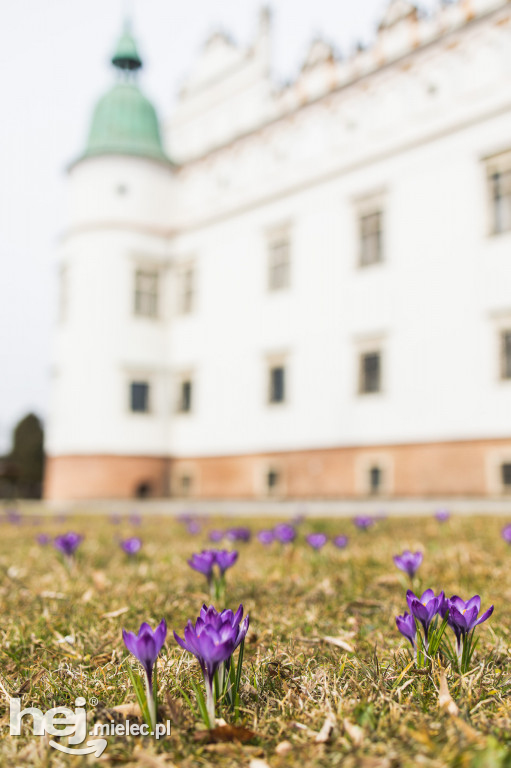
506, 355
139, 396
370, 372
506, 476
185, 404
277, 384
500, 183
272, 479
375, 478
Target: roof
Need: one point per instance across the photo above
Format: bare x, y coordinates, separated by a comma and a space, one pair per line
124, 120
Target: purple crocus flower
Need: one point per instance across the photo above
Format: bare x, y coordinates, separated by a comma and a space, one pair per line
209, 615
363, 522
212, 640
135, 518
146, 647
68, 543
224, 559
216, 535
317, 540
408, 562
266, 537
206, 561
115, 518
285, 533
442, 515
131, 546
408, 628
340, 541
13, 516
43, 539
193, 527
506, 533
424, 608
203, 562
463, 616
239, 533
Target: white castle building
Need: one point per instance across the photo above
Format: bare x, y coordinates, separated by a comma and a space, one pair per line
299, 291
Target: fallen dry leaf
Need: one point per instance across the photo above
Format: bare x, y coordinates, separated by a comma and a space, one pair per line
100, 580
114, 614
226, 733
326, 729
258, 763
339, 642
355, 733
284, 748
128, 709
445, 699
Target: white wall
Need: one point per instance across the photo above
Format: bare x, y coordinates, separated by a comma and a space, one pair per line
414, 134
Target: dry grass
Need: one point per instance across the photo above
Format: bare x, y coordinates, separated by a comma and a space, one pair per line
308, 700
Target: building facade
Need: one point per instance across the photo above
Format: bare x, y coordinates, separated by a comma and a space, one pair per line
312, 297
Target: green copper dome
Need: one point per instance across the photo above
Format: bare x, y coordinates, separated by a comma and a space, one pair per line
124, 120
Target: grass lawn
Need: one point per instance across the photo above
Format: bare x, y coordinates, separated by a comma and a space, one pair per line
327, 678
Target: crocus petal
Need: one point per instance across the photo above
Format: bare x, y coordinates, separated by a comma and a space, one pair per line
476, 600
183, 644
238, 616
160, 633
457, 602
130, 641
486, 615
457, 619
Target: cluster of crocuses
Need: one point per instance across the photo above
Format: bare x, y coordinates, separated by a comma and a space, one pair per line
68, 543
285, 533
213, 563
429, 616
213, 640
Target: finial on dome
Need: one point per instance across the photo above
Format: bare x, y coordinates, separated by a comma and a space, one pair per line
126, 55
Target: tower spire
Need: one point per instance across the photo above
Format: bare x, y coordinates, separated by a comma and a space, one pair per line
126, 56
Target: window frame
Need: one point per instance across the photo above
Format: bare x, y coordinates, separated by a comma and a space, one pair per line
273, 363
366, 207
146, 303
505, 354
139, 382
187, 307
364, 355
498, 164
186, 377
373, 344
278, 240
365, 462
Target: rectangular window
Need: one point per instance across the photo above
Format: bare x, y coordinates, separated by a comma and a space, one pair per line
370, 372
279, 257
186, 289
277, 384
506, 477
498, 169
139, 396
371, 238
146, 293
184, 395
375, 480
505, 355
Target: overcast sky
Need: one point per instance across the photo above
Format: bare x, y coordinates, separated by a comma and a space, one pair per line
53, 66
